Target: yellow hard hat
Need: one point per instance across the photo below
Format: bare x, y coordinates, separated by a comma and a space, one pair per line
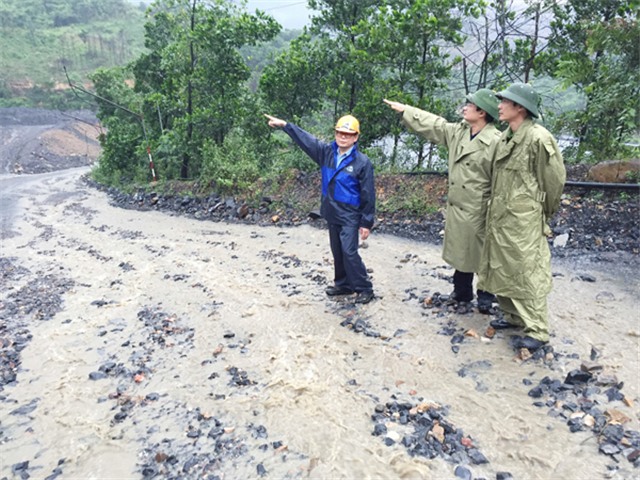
348, 124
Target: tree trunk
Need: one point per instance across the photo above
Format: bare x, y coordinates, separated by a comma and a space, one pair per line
186, 157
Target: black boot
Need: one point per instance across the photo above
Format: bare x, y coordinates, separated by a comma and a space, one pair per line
485, 300
462, 287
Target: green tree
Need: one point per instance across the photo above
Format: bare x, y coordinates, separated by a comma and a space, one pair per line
408, 42
123, 159
194, 76
291, 86
595, 48
340, 50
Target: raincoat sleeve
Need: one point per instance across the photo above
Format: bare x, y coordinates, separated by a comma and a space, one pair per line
432, 127
551, 175
367, 197
313, 147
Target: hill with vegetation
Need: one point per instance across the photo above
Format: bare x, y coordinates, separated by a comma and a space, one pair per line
41, 38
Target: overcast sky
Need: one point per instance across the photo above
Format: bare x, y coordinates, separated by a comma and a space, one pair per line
288, 13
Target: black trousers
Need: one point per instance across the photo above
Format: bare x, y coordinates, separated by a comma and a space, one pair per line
463, 287
349, 269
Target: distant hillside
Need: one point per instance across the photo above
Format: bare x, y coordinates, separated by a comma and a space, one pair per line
39, 37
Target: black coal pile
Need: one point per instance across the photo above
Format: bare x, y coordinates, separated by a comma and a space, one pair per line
585, 223
597, 224
212, 207
425, 228
584, 401
446, 304
424, 431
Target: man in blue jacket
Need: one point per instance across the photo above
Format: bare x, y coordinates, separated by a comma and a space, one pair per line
348, 200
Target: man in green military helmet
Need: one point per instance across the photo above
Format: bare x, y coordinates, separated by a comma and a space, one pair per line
469, 183
527, 182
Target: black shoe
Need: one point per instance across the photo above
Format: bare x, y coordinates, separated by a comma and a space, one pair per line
458, 297
364, 297
333, 291
484, 307
502, 324
529, 343
485, 302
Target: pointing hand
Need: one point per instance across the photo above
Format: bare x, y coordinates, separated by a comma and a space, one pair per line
275, 122
397, 106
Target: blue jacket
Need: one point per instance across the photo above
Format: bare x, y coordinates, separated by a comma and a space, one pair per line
348, 192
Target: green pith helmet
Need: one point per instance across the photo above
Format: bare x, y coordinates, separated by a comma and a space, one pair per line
486, 100
522, 94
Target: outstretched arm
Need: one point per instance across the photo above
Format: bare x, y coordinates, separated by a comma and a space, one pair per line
275, 122
432, 127
307, 142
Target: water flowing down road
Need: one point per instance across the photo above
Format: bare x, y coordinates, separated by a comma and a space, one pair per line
146, 345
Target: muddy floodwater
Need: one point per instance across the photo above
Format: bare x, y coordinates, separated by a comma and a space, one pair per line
145, 345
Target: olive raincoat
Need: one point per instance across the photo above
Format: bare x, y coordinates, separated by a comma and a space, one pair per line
469, 183
528, 178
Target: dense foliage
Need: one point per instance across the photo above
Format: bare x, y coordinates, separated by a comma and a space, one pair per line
196, 95
595, 47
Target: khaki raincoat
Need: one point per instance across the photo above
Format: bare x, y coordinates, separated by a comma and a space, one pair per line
528, 178
469, 183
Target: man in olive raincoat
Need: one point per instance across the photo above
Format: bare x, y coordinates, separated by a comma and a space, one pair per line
527, 182
469, 183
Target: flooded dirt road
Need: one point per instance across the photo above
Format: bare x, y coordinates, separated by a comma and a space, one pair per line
144, 345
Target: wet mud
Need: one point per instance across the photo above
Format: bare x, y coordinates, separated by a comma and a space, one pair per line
142, 345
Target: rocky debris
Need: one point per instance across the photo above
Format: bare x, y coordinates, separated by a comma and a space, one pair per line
163, 326
286, 262
597, 223
40, 299
213, 207
445, 304
424, 431
355, 320
205, 445
442, 306
239, 378
589, 224
10, 272
582, 400
191, 443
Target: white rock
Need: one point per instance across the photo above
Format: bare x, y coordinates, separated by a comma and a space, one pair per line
395, 436
561, 240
